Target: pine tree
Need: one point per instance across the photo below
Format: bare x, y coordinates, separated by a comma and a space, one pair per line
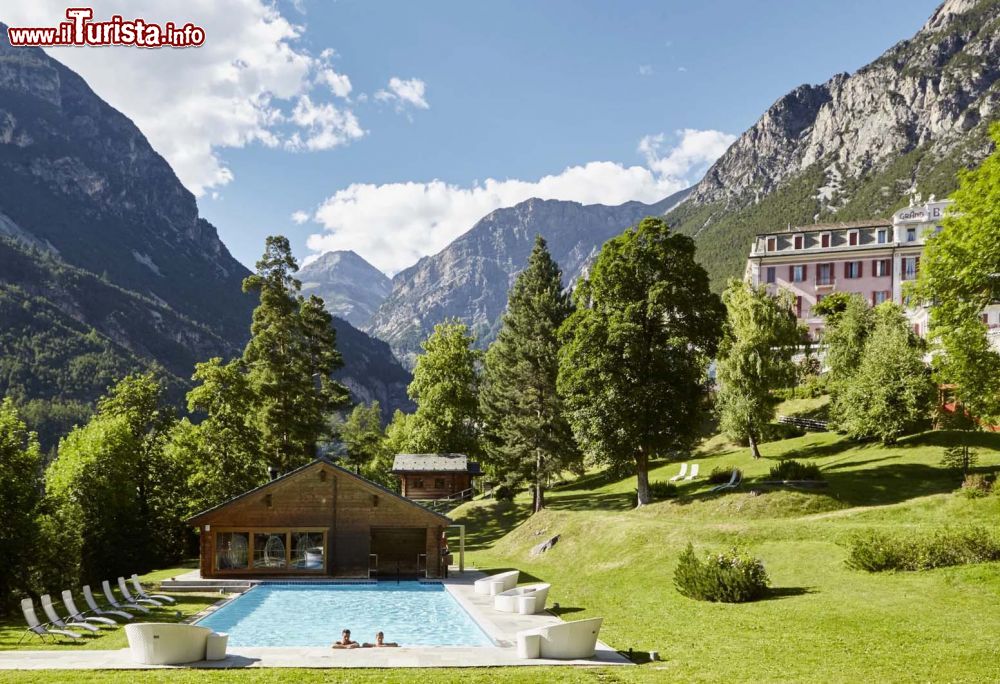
290, 358
527, 437
364, 439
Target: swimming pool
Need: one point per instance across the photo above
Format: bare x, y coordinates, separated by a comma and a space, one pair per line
410, 613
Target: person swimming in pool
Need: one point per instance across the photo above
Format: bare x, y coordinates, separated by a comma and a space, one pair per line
380, 642
345, 641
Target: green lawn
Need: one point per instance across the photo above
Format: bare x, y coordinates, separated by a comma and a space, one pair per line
823, 621
12, 627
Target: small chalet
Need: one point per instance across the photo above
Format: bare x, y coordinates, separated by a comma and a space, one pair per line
435, 476
320, 520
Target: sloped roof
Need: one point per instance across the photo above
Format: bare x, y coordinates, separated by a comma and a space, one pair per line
434, 463
821, 227
195, 519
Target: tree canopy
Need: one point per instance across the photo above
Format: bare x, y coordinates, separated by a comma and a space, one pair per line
755, 357
635, 352
526, 436
960, 275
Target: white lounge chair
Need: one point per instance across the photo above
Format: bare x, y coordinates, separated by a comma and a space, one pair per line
123, 588
495, 584
88, 596
734, 481
56, 621
36, 627
75, 614
681, 474
113, 602
562, 641
694, 472
507, 601
163, 643
140, 592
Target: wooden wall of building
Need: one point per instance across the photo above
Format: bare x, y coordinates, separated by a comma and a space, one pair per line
434, 485
324, 497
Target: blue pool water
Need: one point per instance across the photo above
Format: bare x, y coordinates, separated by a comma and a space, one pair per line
410, 613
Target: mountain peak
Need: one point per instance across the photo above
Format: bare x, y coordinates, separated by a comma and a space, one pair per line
350, 286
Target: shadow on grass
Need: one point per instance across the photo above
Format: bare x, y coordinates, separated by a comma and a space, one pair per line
779, 593
565, 610
947, 438
591, 502
484, 525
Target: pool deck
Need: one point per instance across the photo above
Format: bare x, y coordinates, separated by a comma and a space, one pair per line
502, 628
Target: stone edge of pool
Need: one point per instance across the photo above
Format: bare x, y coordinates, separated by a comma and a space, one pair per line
501, 628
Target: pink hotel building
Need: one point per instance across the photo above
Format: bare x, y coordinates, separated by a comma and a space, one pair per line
873, 258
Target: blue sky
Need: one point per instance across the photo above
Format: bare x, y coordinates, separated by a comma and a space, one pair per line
512, 91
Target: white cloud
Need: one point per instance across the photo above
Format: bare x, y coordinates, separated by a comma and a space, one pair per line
682, 69
300, 217
405, 92
233, 91
339, 84
324, 126
394, 224
645, 70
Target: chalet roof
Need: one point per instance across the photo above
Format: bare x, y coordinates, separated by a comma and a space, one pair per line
196, 518
820, 227
434, 463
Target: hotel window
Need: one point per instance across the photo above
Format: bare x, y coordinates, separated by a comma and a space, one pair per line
880, 296
824, 240
438, 483
824, 274
770, 275
418, 483
883, 236
911, 266
797, 274
911, 234
771, 244
916, 329
269, 549
307, 550
882, 267
852, 238
853, 269
798, 242
986, 319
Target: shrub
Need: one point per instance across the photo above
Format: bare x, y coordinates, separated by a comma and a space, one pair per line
793, 470
721, 474
877, 551
663, 490
731, 577
503, 493
976, 484
658, 491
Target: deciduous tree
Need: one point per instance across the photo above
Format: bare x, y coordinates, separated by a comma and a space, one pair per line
755, 357
960, 276
20, 495
633, 364
892, 391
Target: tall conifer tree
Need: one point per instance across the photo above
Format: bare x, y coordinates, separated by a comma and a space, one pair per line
290, 358
527, 437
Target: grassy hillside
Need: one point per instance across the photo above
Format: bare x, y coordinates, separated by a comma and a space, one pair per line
824, 622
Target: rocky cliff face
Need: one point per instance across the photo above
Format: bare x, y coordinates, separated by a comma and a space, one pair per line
854, 146
469, 279
79, 177
105, 265
352, 288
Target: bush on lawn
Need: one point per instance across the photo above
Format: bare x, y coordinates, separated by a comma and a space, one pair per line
730, 577
721, 474
793, 470
660, 490
878, 551
976, 484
